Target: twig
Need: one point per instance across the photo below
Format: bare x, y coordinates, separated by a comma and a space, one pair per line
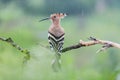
93, 41
11, 42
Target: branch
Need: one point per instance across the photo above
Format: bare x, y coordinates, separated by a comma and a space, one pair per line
11, 42
93, 41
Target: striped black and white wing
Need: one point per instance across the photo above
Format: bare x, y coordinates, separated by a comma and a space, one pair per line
56, 42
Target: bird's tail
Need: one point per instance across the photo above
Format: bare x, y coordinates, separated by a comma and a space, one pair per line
56, 63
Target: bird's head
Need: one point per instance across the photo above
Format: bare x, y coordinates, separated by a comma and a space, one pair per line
55, 17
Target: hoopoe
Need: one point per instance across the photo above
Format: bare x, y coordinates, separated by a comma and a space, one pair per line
56, 35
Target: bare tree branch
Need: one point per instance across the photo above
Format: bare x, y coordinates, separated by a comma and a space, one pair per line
93, 41
11, 42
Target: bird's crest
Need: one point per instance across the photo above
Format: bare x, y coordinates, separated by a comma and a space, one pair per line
54, 16
59, 15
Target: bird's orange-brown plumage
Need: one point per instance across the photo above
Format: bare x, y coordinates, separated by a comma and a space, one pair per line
56, 27
56, 31
56, 37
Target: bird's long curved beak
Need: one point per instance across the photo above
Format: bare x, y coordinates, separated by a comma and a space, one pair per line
44, 19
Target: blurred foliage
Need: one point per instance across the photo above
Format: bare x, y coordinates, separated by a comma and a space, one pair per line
81, 64
38, 7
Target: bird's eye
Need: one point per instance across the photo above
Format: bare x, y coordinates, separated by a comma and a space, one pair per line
54, 16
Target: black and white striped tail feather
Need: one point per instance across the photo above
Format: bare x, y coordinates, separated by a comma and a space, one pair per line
56, 42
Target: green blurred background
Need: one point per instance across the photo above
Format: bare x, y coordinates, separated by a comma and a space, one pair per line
97, 18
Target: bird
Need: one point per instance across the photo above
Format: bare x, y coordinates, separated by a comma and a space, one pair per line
56, 35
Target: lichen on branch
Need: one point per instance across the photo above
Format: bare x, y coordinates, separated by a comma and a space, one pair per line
12, 43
